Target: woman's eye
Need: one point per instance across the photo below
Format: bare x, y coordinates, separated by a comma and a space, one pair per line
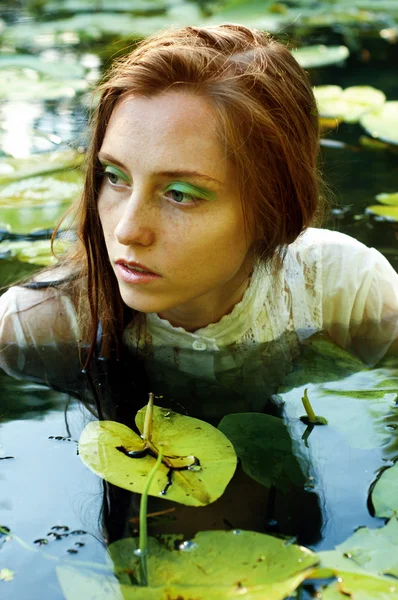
115, 177
182, 197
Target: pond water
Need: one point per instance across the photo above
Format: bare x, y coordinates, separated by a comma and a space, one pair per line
57, 509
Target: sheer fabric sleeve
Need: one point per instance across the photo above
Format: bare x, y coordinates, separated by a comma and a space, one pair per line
38, 335
360, 297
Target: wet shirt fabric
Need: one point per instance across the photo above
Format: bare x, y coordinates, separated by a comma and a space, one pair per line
329, 282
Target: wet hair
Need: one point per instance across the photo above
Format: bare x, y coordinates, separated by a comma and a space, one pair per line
268, 125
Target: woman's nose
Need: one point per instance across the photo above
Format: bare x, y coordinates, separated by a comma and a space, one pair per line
136, 224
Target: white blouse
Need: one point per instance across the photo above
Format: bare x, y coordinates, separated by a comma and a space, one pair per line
329, 282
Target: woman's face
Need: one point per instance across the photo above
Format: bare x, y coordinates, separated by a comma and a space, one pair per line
170, 208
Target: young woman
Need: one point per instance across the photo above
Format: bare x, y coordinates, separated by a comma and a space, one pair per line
196, 257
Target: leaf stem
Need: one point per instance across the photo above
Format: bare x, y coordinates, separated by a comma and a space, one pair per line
143, 539
147, 433
308, 408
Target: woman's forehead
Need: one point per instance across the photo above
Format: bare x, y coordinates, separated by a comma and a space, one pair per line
176, 129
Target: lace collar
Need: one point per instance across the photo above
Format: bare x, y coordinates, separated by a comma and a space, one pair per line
230, 327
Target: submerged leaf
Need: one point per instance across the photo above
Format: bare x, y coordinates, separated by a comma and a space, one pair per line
104, 448
385, 494
320, 56
383, 122
216, 565
264, 447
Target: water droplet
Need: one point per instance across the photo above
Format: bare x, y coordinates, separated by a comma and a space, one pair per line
237, 531
187, 546
392, 588
300, 560
41, 542
139, 552
195, 468
347, 554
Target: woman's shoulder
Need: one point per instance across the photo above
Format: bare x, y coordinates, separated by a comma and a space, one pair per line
37, 314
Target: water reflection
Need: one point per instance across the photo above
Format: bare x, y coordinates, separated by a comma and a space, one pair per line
52, 502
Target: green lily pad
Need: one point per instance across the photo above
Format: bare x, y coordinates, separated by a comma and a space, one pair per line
37, 203
185, 440
349, 104
390, 213
320, 56
385, 495
367, 551
361, 587
28, 84
137, 7
38, 164
216, 565
70, 69
32, 252
389, 199
260, 14
264, 447
383, 122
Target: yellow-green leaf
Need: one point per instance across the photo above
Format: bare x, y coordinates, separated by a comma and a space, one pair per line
180, 437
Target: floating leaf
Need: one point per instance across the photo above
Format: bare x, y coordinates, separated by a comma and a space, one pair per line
260, 14
390, 213
367, 551
38, 164
70, 69
361, 587
389, 199
383, 122
28, 84
264, 447
104, 448
216, 565
310, 57
349, 104
32, 252
38, 203
385, 494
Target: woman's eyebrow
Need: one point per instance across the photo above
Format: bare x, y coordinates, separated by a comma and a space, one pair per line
173, 174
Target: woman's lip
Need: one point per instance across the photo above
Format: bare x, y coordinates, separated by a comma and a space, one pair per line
133, 264
127, 274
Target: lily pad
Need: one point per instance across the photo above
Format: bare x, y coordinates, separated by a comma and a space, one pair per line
37, 203
367, 551
38, 164
390, 213
349, 104
28, 84
201, 460
385, 495
70, 69
320, 56
216, 565
361, 587
265, 15
383, 122
389, 199
32, 252
264, 446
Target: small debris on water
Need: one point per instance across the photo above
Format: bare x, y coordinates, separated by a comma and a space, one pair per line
72, 551
41, 541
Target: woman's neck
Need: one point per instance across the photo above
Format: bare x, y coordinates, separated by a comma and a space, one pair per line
202, 312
